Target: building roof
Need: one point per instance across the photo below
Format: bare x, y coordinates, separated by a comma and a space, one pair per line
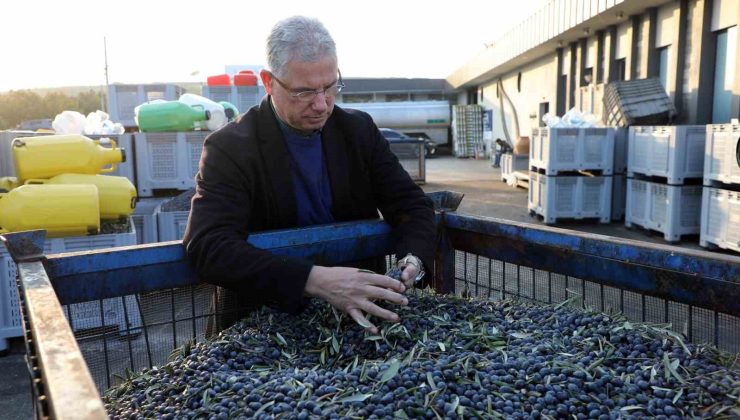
393, 85
554, 25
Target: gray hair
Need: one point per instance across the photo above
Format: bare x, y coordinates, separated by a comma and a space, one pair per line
298, 38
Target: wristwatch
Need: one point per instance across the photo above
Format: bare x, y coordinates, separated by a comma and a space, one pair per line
413, 260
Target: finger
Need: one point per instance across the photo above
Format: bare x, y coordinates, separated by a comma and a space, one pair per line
376, 310
360, 319
387, 295
386, 282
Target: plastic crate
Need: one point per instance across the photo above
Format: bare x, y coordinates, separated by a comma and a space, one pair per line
145, 220
673, 210
467, 130
637, 102
167, 161
570, 197
621, 143
87, 314
511, 163
248, 96
122, 99
556, 150
221, 93
619, 196
171, 225
672, 152
720, 219
722, 154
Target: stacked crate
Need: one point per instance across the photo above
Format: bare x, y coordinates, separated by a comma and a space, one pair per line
242, 97
167, 161
720, 209
467, 131
90, 318
123, 99
619, 182
665, 166
570, 173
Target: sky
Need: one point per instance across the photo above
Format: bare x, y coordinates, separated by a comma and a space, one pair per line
60, 43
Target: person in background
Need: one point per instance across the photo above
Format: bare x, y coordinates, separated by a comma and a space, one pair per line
297, 160
501, 148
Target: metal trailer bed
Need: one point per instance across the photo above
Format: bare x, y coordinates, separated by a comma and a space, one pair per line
695, 291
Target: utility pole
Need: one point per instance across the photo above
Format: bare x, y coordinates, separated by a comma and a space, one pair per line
105, 54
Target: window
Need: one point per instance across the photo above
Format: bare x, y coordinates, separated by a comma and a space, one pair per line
588, 76
544, 109
601, 59
357, 97
397, 97
724, 75
664, 55
621, 69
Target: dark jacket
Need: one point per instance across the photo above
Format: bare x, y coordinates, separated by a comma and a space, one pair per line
244, 185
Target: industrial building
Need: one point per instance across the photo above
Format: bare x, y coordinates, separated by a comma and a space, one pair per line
563, 55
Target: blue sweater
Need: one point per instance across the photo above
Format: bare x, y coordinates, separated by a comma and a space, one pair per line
310, 177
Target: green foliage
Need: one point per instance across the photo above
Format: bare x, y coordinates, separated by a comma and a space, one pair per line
17, 106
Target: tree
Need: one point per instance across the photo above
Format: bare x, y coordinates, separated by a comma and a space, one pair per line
17, 106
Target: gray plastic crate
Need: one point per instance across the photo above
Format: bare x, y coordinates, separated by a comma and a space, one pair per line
672, 152
619, 196
221, 93
122, 99
248, 96
673, 210
570, 197
171, 225
167, 161
621, 144
720, 219
637, 102
511, 163
88, 317
556, 150
145, 220
722, 154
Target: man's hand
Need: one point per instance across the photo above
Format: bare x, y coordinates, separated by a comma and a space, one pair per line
408, 275
353, 291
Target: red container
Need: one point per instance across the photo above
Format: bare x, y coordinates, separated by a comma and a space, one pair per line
246, 72
245, 79
219, 80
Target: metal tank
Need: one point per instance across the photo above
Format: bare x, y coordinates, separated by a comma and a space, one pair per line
430, 117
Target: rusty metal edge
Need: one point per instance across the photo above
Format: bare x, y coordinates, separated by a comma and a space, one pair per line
69, 390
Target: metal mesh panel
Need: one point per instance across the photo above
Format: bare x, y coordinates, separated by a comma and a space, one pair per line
132, 335
411, 157
158, 322
483, 277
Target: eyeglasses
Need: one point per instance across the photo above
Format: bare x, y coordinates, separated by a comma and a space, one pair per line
310, 95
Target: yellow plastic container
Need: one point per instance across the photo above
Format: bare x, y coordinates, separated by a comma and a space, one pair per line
62, 210
116, 193
48, 156
7, 183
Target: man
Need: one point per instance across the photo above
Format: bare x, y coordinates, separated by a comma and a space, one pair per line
298, 160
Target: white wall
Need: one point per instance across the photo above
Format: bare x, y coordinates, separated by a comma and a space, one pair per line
539, 84
667, 25
724, 14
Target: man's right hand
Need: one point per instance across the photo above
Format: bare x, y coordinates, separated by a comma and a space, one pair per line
353, 292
